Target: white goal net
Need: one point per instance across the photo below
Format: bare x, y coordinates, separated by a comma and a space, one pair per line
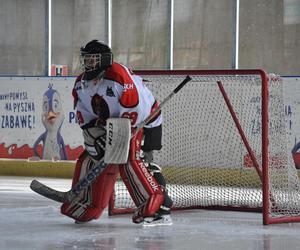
224, 155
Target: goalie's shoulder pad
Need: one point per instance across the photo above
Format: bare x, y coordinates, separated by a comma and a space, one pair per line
122, 75
118, 73
130, 96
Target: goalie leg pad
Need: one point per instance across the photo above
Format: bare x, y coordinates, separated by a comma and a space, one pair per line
156, 172
92, 201
144, 189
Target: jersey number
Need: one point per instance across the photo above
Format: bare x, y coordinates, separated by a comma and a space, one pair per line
132, 116
79, 117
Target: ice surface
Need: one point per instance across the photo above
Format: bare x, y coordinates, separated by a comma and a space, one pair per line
30, 221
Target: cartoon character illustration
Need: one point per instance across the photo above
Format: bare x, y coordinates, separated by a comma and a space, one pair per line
296, 154
52, 118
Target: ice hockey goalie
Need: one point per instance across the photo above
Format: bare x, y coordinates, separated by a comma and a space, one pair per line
107, 89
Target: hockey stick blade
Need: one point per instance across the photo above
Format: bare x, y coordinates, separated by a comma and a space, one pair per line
42, 189
69, 196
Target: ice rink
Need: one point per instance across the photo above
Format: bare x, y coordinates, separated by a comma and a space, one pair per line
30, 221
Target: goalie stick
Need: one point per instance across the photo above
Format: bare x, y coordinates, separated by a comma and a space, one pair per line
71, 195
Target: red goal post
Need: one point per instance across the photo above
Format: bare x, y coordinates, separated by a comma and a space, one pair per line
224, 144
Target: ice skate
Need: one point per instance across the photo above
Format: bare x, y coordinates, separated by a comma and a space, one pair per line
80, 222
161, 220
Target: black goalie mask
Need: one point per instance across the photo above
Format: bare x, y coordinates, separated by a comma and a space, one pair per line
95, 57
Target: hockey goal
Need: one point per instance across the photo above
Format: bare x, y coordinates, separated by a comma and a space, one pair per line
224, 144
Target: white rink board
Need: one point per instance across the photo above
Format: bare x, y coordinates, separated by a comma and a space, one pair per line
22, 98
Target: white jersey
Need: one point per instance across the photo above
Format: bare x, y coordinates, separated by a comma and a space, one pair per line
120, 93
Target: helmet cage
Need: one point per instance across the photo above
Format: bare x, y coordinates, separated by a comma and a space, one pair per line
95, 61
90, 62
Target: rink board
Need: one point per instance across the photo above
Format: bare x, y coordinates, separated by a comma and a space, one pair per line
57, 169
196, 176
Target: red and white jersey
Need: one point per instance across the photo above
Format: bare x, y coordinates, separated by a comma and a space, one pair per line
120, 93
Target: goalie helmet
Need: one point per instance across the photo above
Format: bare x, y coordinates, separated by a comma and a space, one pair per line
95, 57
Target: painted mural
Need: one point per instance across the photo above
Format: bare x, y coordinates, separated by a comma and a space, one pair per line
37, 119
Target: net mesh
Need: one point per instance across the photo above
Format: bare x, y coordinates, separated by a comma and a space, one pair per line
204, 159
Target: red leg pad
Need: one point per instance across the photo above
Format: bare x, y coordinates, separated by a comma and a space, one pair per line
142, 186
95, 198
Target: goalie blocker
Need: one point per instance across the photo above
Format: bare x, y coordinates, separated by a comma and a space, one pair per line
142, 178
